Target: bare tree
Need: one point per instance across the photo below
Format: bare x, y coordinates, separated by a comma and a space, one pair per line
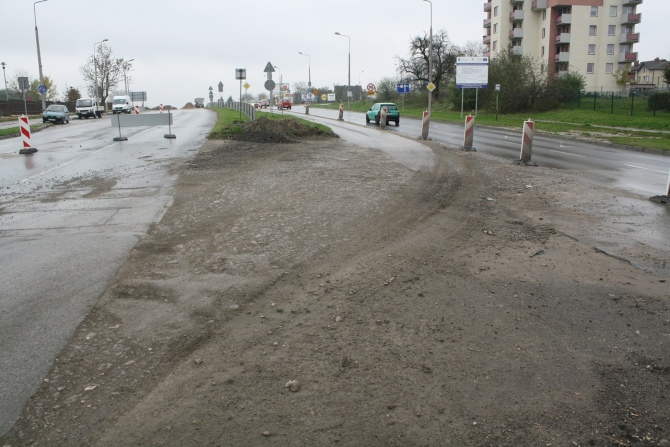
444, 60
107, 69
473, 48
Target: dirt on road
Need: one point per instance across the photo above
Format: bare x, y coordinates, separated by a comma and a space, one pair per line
314, 293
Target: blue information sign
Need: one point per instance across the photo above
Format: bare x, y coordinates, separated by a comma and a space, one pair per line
403, 88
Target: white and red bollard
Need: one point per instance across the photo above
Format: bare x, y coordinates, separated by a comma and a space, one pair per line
137, 110
161, 107
24, 125
425, 124
341, 117
382, 120
469, 134
665, 199
527, 143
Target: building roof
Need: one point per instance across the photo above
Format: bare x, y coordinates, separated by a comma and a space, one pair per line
656, 64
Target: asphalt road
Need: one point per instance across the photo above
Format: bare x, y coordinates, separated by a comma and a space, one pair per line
69, 216
637, 172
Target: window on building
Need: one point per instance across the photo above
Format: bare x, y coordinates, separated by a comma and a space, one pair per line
609, 68
590, 68
495, 28
646, 79
543, 33
542, 51
593, 30
611, 30
613, 11
594, 11
495, 45
610, 48
544, 15
592, 48
495, 11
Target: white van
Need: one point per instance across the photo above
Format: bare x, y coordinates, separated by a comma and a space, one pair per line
122, 104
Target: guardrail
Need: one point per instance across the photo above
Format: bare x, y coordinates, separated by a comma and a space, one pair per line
248, 109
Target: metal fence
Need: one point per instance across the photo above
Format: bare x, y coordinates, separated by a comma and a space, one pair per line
617, 103
248, 109
18, 107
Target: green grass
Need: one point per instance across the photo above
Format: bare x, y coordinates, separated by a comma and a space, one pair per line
228, 123
277, 117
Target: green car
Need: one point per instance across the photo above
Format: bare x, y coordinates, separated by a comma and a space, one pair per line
375, 113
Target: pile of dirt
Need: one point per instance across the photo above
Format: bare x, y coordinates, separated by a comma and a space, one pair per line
265, 130
188, 105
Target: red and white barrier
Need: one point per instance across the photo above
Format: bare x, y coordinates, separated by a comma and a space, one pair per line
24, 125
527, 142
161, 107
425, 124
382, 119
341, 117
137, 110
469, 134
665, 199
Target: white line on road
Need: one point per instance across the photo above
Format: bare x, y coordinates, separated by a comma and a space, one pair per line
567, 153
646, 169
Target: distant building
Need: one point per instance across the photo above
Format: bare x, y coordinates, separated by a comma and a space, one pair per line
649, 74
593, 38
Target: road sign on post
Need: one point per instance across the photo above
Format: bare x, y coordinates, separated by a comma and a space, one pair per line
403, 88
220, 87
270, 84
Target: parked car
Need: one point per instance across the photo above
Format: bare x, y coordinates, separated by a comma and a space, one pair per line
264, 103
57, 113
285, 104
375, 113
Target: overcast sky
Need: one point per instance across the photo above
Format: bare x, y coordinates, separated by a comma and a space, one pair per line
181, 48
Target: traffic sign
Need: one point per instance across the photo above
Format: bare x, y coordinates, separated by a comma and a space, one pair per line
246, 86
431, 87
240, 73
403, 88
371, 87
220, 86
42, 89
270, 85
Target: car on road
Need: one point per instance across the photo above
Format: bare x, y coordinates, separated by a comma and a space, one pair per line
285, 104
375, 113
264, 103
57, 113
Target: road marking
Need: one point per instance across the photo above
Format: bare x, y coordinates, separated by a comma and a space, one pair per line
646, 169
567, 153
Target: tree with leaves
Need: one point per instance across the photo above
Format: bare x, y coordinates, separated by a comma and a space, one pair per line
444, 60
666, 75
71, 94
106, 68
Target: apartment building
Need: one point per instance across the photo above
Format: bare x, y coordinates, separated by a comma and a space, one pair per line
593, 38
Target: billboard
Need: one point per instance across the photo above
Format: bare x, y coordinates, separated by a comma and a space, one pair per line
472, 72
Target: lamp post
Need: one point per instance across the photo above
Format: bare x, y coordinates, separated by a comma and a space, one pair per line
360, 97
430, 65
5, 76
126, 66
309, 73
280, 89
349, 85
95, 69
39, 57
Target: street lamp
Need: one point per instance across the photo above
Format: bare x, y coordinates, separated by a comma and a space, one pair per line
5, 76
126, 66
430, 66
349, 85
280, 88
95, 69
309, 72
360, 97
39, 57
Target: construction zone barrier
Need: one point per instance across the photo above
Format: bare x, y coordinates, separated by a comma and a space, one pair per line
341, 117
425, 124
527, 143
664, 199
382, 120
137, 110
146, 119
469, 134
24, 125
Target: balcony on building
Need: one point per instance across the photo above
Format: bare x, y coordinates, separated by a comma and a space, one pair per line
516, 16
487, 39
631, 75
538, 5
487, 6
563, 56
631, 19
632, 2
487, 23
517, 50
564, 19
627, 57
629, 38
516, 2
561, 73
562, 38
516, 33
